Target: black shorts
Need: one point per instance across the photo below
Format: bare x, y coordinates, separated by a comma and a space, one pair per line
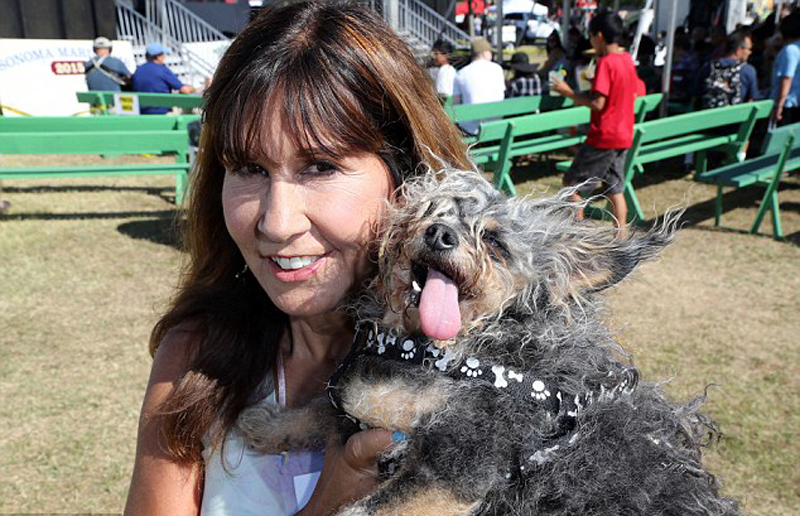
593, 164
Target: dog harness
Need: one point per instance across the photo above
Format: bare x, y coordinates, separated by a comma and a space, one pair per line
561, 408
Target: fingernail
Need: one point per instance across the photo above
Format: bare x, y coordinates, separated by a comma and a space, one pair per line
398, 436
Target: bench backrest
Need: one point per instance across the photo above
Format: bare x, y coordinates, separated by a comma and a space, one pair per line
699, 121
508, 107
95, 142
532, 124
645, 105
776, 139
53, 124
106, 98
530, 105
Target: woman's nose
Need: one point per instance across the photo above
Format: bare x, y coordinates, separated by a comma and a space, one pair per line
283, 214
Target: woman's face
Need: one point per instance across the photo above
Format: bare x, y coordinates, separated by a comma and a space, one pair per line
303, 221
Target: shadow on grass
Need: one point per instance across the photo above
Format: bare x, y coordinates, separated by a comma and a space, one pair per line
165, 193
162, 230
84, 215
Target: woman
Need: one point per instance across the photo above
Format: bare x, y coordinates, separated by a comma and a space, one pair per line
315, 115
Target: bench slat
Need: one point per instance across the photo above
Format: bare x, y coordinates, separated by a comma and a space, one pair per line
88, 171
181, 100
132, 142
93, 123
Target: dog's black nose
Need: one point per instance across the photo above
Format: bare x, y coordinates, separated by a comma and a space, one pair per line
440, 237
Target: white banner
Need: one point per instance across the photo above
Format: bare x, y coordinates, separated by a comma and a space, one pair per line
41, 76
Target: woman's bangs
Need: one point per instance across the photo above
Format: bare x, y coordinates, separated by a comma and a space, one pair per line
319, 115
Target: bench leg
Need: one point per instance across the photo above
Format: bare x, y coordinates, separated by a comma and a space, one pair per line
777, 230
770, 199
181, 180
503, 182
718, 206
502, 175
769, 202
700, 163
635, 213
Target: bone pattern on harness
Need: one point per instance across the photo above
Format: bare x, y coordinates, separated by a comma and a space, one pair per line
373, 340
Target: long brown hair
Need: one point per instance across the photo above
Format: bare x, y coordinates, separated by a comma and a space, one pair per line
341, 80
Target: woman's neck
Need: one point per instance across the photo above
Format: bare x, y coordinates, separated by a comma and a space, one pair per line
319, 339
311, 350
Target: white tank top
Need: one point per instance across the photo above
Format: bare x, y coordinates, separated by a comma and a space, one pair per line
257, 484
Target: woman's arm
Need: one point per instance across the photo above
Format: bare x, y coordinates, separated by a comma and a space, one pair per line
160, 486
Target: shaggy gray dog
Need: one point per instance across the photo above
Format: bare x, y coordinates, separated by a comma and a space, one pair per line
482, 339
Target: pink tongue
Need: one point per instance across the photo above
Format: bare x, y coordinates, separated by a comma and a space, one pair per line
438, 307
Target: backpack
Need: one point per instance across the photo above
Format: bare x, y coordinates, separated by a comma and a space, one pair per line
723, 86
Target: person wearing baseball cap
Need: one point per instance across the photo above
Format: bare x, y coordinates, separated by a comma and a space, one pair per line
104, 72
154, 77
480, 81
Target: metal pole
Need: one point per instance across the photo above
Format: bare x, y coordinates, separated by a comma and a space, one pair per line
499, 29
564, 22
778, 10
471, 19
668, 64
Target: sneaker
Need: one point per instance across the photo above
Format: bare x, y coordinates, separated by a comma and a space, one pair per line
4, 206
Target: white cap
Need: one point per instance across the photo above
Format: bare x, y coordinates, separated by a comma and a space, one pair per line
101, 42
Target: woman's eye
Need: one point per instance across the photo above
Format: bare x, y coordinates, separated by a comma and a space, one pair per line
251, 169
322, 168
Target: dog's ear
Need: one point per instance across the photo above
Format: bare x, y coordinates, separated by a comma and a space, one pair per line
595, 258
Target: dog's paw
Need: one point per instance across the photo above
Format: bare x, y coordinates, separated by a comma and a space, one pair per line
260, 427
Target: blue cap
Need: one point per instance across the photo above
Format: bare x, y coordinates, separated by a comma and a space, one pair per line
154, 49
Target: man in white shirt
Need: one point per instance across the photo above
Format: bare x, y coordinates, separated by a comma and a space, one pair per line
480, 81
446, 73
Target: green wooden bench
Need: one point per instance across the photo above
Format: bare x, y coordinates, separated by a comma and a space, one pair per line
509, 107
104, 100
97, 135
781, 153
499, 141
678, 135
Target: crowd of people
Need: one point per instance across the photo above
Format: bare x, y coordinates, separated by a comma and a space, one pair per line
710, 68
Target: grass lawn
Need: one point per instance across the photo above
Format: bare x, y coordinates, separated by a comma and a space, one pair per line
87, 265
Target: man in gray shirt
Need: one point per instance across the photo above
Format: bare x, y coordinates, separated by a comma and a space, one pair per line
104, 72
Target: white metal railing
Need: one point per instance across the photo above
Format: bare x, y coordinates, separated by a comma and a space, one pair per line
140, 31
426, 24
418, 20
181, 23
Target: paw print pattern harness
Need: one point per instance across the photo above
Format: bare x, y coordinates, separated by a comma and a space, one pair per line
562, 408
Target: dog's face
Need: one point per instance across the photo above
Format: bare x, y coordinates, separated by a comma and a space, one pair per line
456, 254
447, 259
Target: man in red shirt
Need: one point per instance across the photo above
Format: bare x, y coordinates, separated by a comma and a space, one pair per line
614, 89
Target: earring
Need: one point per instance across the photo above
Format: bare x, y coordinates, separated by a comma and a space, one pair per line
240, 275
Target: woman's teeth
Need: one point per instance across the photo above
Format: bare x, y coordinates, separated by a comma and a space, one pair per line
295, 262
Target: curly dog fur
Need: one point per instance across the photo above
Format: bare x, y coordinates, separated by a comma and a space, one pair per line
532, 408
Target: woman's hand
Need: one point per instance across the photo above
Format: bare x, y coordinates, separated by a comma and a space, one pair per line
349, 472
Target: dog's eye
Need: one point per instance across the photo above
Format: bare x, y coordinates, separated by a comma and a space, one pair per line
496, 247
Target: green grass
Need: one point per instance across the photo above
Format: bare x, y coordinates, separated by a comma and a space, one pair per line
88, 264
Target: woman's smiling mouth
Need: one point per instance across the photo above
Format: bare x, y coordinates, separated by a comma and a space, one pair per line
294, 262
